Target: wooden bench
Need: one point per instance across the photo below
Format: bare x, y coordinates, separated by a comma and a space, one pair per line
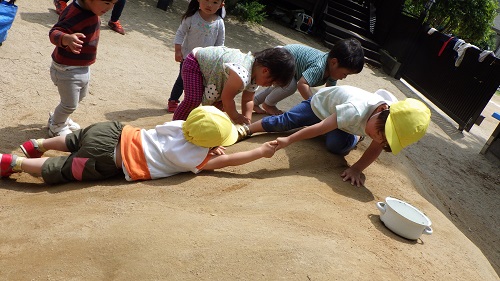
493, 143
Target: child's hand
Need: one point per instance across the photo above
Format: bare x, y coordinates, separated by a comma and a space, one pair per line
178, 56
354, 176
218, 150
269, 148
73, 42
242, 119
282, 142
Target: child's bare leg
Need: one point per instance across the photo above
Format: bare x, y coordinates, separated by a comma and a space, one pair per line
15, 164
35, 148
272, 110
56, 143
33, 166
258, 110
256, 127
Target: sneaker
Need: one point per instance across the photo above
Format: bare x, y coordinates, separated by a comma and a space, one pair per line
30, 149
172, 105
7, 162
116, 26
61, 129
73, 126
60, 6
243, 131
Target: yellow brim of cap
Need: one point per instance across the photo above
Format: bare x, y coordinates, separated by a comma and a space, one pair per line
392, 136
232, 138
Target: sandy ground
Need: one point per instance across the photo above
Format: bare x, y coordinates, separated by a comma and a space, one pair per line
289, 217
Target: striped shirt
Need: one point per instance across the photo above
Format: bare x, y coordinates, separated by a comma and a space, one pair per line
75, 19
311, 64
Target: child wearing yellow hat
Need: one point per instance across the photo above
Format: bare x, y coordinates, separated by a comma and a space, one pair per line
345, 115
107, 149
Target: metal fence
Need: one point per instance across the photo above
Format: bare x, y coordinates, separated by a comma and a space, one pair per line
460, 84
459, 81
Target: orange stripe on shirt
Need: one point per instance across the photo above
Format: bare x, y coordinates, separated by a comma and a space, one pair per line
133, 156
200, 167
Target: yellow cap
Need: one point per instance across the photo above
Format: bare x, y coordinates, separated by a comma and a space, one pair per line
207, 126
407, 123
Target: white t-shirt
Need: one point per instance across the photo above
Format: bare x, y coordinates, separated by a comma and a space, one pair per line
168, 153
352, 105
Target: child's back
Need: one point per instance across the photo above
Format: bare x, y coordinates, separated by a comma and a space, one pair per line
217, 74
314, 68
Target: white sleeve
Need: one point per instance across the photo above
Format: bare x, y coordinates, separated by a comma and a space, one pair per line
221, 33
241, 71
182, 31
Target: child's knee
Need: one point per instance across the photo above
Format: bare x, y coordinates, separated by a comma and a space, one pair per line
340, 146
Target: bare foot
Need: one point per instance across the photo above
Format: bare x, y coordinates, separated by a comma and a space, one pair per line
271, 110
258, 110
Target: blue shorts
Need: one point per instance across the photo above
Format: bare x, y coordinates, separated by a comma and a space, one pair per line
301, 115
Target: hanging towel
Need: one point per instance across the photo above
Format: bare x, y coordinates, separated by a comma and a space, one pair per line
484, 54
459, 43
461, 52
444, 46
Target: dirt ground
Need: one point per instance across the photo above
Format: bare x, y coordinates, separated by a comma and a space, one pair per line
290, 217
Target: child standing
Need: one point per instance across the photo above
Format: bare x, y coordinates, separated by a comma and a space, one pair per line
75, 35
202, 25
313, 68
344, 113
107, 149
113, 23
215, 75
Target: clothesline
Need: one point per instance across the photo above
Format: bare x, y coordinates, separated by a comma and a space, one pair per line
460, 46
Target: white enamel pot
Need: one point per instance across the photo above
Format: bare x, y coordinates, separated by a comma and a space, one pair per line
404, 219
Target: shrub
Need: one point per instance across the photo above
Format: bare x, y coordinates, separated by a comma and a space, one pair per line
250, 11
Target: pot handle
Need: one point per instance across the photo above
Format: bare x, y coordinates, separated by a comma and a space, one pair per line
381, 208
428, 230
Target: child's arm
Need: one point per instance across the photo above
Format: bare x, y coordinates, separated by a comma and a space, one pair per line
73, 42
67, 40
221, 34
178, 52
180, 36
232, 87
321, 128
220, 161
353, 173
247, 105
304, 88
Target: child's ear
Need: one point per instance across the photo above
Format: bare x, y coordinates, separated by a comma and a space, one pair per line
334, 61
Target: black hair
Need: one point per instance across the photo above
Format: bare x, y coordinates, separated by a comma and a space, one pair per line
380, 125
195, 6
280, 62
349, 54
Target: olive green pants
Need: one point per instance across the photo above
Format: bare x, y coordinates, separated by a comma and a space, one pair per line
92, 155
